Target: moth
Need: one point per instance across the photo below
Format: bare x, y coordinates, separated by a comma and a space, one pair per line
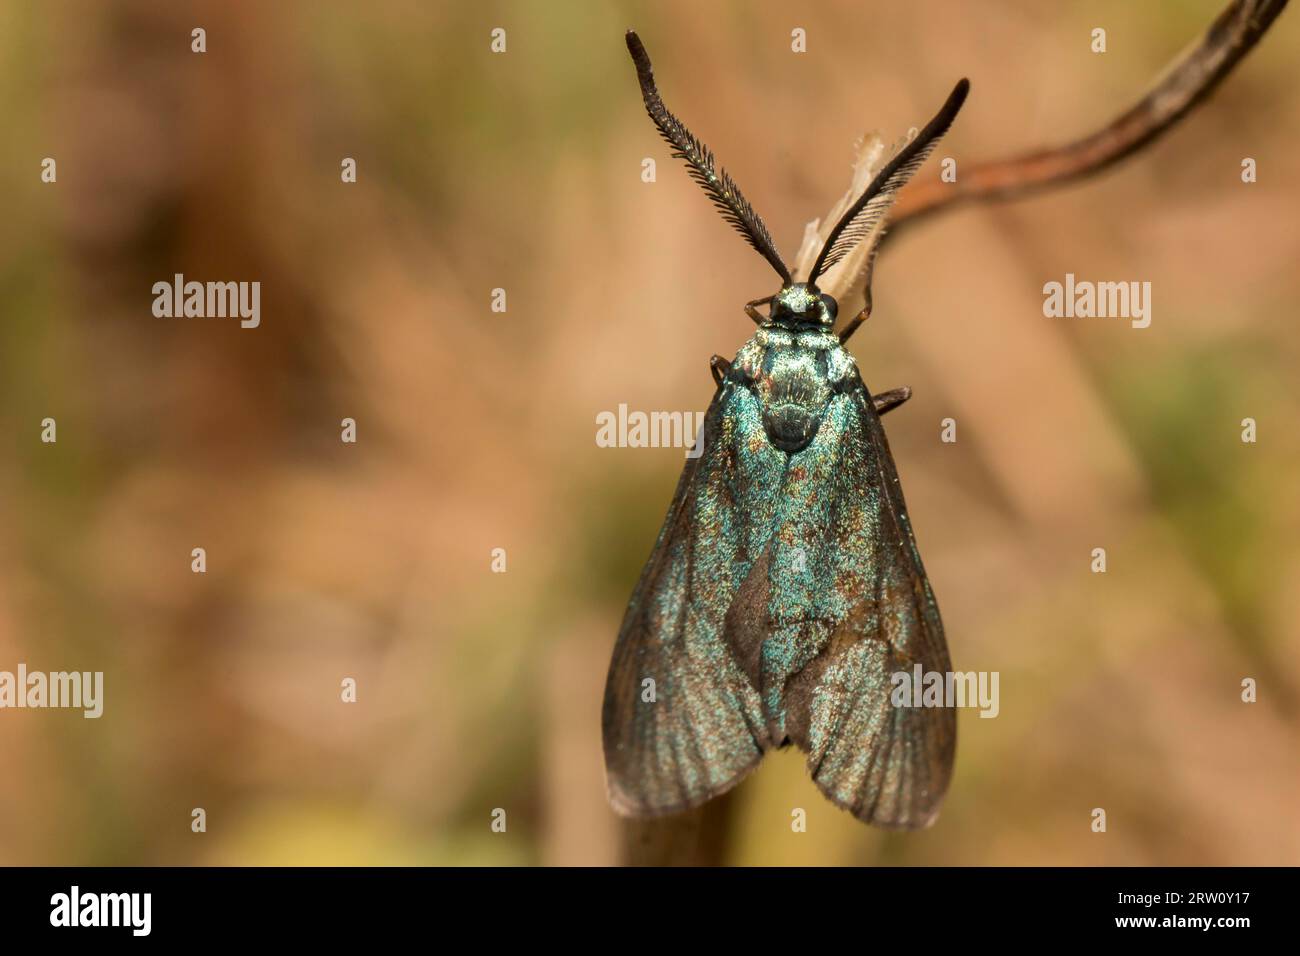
785, 588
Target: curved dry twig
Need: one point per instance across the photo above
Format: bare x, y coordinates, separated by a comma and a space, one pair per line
1188, 81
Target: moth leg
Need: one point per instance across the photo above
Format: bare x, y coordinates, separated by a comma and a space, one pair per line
888, 401
753, 313
854, 323
719, 367
866, 309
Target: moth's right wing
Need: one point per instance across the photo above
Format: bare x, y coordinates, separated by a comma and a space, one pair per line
699, 728
888, 765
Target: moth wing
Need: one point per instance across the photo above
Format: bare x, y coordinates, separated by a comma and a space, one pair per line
704, 729
889, 766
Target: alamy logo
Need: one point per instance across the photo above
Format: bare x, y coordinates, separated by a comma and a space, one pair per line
75, 908
210, 300
83, 690
650, 430
922, 688
1102, 300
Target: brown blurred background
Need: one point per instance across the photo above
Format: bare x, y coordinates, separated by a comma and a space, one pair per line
476, 430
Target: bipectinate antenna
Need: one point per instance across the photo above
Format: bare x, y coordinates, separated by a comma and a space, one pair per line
721, 188
864, 215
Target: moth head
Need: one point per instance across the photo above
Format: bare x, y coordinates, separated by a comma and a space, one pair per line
798, 303
802, 303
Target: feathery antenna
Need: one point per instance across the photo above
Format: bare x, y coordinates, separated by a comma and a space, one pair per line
865, 214
721, 188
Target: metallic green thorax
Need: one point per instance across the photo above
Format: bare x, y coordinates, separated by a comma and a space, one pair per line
793, 365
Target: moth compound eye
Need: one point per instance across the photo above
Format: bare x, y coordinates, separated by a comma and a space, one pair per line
832, 308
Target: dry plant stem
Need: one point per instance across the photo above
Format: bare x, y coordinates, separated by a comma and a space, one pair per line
1188, 81
696, 838
699, 837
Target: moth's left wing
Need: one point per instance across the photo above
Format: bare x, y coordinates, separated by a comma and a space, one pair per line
681, 721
